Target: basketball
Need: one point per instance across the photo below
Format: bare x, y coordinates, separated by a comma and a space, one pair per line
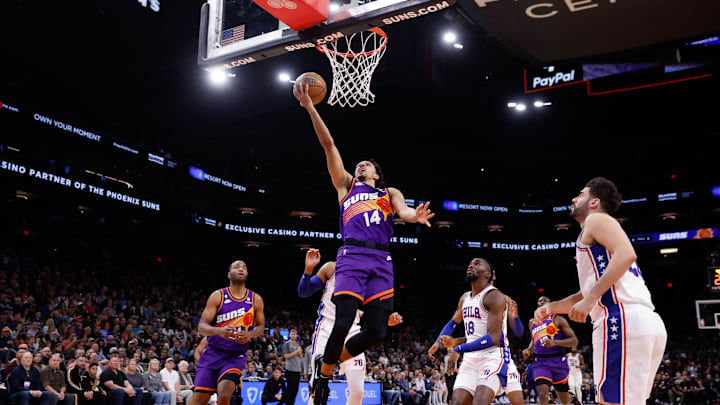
316, 85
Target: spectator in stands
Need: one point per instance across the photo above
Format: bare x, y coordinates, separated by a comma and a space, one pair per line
390, 391
273, 386
93, 358
45, 352
6, 342
53, 381
95, 347
268, 371
132, 346
185, 382
250, 371
171, 381
256, 360
37, 361
292, 352
383, 359
54, 337
24, 384
91, 383
439, 391
420, 387
677, 395
33, 329
176, 357
115, 382
407, 391
78, 352
22, 348
138, 357
154, 384
136, 379
5, 310
74, 377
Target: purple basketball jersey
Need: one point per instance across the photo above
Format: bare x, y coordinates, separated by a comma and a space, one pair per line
366, 214
236, 312
547, 330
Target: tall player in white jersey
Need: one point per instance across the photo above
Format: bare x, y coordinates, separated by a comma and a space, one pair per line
354, 368
628, 336
483, 311
576, 362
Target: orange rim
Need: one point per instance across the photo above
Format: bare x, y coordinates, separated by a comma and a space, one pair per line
377, 30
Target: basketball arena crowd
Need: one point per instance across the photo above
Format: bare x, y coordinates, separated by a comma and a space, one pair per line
61, 309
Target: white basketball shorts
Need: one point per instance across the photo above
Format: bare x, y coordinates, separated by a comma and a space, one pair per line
483, 368
628, 346
320, 338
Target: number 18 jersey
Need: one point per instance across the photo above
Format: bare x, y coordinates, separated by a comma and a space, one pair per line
366, 214
475, 318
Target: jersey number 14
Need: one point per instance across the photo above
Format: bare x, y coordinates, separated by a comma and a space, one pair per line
372, 219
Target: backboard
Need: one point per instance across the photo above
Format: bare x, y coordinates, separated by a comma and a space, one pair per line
707, 313
238, 32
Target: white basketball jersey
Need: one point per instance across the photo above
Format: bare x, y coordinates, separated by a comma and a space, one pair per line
592, 262
326, 310
475, 318
573, 361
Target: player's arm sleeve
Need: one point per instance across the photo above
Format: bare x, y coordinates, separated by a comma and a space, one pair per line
308, 285
518, 328
448, 329
480, 343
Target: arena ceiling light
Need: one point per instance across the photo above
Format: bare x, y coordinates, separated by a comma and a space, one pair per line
284, 77
450, 37
668, 251
541, 104
304, 214
521, 106
219, 77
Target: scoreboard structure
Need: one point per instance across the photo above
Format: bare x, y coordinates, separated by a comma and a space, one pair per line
714, 279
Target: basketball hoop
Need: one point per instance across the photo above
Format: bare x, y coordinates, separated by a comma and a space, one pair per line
353, 59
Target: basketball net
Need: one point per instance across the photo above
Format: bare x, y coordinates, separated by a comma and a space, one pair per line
353, 59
